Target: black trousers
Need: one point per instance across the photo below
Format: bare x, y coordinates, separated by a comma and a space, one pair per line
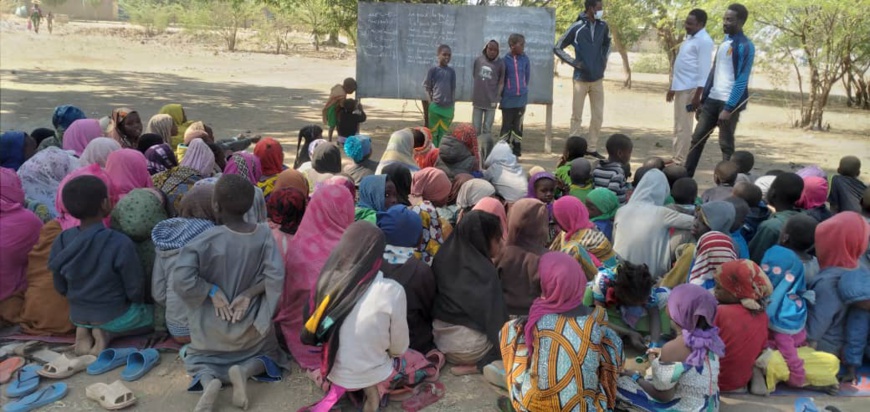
512, 128
708, 119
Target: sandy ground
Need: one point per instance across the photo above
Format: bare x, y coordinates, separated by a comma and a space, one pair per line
82, 64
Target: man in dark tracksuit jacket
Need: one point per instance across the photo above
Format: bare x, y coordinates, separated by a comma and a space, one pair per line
726, 92
590, 37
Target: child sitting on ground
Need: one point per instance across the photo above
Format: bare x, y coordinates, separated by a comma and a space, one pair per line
684, 193
758, 211
350, 115
542, 186
581, 179
724, 176
783, 195
230, 279
602, 205
575, 148
846, 189
634, 304
98, 271
655, 163
610, 173
745, 162
741, 209
788, 304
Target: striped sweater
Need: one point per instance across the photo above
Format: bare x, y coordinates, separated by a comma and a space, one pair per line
611, 175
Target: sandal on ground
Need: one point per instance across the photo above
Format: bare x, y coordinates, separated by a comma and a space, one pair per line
111, 397
110, 359
427, 393
25, 382
8, 368
63, 367
42, 397
139, 363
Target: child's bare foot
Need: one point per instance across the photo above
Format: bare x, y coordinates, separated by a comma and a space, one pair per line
462, 370
240, 387
373, 399
209, 395
84, 341
101, 341
758, 384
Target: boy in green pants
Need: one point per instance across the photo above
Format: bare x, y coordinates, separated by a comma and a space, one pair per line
440, 85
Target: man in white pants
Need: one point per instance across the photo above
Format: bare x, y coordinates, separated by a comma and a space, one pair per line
690, 75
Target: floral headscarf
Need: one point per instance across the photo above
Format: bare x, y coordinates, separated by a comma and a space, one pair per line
42, 173
745, 280
98, 151
465, 133
160, 158
244, 164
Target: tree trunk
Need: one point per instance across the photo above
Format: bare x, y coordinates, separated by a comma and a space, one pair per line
626, 65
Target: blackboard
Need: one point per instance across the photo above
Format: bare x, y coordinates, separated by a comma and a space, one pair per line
397, 42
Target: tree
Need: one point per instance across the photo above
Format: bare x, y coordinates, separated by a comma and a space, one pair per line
153, 15
822, 41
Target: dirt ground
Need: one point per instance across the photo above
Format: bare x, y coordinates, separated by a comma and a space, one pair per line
91, 66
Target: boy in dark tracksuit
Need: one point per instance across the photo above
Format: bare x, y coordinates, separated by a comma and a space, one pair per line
515, 96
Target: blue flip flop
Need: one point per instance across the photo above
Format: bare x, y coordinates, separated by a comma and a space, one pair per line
49, 394
26, 381
139, 363
110, 359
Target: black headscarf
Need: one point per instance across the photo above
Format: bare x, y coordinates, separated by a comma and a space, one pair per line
147, 140
400, 175
327, 159
469, 290
345, 277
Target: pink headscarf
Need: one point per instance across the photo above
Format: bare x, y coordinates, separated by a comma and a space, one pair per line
841, 240
66, 220
20, 232
326, 218
128, 169
493, 206
571, 214
244, 164
80, 133
199, 157
815, 193
687, 304
339, 181
562, 286
809, 171
431, 184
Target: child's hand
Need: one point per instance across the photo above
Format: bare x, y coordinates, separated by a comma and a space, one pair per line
850, 376
221, 304
636, 340
654, 353
239, 307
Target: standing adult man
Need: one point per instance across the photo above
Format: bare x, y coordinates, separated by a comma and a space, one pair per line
590, 37
726, 91
690, 76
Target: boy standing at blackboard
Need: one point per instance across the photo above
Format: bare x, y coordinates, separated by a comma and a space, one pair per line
488, 83
337, 95
516, 92
440, 85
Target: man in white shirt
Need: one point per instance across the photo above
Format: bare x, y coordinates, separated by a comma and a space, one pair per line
690, 75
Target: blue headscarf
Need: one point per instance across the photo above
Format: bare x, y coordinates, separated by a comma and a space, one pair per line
65, 115
401, 226
788, 303
12, 149
372, 190
358, 147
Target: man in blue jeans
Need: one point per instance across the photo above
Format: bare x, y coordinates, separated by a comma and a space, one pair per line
726, 92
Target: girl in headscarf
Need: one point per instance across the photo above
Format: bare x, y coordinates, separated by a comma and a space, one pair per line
325, 164
451, 210
469, 308
813, 198
80, 133
696, 264
305, 167
147, 140
433, 183
195, 217
179, 118
125, 127
742, 289
376, 194
685, 371
580, 237
62, 118
339, 180
641, 227
590, 353
713, 250
542, 186
41, 175
505, 174
246, 165
454, 157
430, 185
176, 182
494, 207
425, 154
467, 135
326, 218
271, 156
160, 158
812, 171
98, 151
401, 177
307, 135
472, 192
518, 262
136, 215
285, 208
400, 149
15, 148
20, 228
181, 149
358, 316
292, 178
359, 149
602, 204
128, 169
162, 125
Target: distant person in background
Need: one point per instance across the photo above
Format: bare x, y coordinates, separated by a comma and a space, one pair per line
350, 116
488, 84
337, 95
49, 20
440, 85
35, 17
515, 95
691, 69
726, 91
590, 37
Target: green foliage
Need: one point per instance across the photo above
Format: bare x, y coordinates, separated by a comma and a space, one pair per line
655, 63
225, 18
153, 15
